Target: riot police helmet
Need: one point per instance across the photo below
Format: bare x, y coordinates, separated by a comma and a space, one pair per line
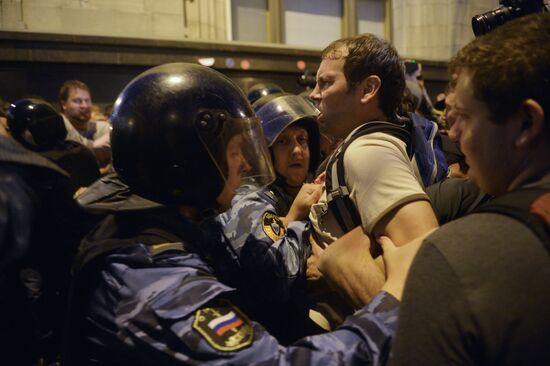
261, 90
283, 111
35, 124
176, 129
259, 103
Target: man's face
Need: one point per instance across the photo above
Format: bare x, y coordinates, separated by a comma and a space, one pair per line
236, 166
450, 112
291, 155
78, 106
336, 104
487, 146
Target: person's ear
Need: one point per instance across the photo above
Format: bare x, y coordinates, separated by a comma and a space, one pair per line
370, 87
532, 123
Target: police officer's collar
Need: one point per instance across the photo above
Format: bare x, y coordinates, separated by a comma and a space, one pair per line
109, 194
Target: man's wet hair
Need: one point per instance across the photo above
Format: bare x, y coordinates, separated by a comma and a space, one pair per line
368, 54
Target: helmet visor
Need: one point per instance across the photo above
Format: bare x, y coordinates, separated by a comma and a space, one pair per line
280, 112
241, 155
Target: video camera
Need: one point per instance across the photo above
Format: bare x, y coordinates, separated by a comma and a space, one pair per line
509, 9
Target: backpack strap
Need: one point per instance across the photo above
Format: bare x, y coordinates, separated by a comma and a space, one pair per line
428, 152
338, 200
529, 206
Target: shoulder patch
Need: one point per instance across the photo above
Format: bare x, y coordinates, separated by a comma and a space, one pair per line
224, 327
273, 225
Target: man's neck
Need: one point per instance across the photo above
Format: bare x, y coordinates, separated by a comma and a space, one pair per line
379, 116
536, 166
79, 125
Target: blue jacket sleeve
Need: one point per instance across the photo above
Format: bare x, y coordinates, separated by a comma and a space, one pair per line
271, 255
181, 314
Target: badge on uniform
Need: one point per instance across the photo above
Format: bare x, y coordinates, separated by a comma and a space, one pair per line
224, 327
272, 225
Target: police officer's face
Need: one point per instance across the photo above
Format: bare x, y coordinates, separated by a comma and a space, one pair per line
78, 106
291, 155
236, 167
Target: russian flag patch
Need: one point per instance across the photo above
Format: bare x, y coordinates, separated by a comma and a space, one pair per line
224, 327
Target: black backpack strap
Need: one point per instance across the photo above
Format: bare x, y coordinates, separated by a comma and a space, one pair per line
519, 205
338, 200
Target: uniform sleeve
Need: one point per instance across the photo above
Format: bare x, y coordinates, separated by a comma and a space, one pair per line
194, 321
244, 219
380, 177
436, 326
171, 310
271, 255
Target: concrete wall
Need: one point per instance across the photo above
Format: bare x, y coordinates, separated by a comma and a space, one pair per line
151, 19
434, 29
38, 63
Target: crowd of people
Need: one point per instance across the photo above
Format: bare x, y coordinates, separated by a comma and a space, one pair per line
352, 225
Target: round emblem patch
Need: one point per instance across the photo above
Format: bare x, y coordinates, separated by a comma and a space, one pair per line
273, 225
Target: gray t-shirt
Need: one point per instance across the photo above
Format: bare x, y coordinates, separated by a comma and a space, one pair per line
478, 294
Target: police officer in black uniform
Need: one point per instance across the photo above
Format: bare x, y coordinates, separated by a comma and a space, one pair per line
159, 284
40, 228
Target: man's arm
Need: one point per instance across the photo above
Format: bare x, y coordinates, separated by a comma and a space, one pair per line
388, 196
355, 273
391, 202
407, 222
350, 269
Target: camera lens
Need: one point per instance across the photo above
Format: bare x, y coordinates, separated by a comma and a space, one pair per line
484, 23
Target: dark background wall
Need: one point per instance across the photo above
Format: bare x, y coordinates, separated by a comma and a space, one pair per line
37, 64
